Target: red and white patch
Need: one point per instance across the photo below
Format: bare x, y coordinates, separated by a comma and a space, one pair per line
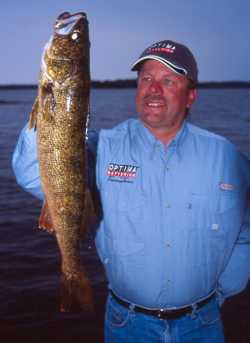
226, 186
127, 171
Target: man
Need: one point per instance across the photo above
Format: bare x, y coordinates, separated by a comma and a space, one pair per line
174, 238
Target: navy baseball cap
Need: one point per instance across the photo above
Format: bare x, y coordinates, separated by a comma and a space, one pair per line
174, 55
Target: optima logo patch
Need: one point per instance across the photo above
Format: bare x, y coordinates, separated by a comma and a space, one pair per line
127, 171
161, 47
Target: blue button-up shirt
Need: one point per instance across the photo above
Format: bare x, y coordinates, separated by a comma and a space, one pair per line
175, 225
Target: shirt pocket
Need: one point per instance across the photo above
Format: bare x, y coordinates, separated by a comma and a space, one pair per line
124, 201
229, 214
122, 195
205, 238
130, 200
129, 234
227, 200
123, 218
223, 228
198, 208
212, 211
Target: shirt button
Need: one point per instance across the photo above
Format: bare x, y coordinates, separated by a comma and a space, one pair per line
168, 244
168, 205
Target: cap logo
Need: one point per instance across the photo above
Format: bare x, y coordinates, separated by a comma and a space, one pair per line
161, 47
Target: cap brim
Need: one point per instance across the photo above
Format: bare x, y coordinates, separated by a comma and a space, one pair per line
169, 64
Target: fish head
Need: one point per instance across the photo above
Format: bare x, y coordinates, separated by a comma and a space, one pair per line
67, 52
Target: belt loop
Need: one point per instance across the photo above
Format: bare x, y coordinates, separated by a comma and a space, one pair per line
194, 311
131, 307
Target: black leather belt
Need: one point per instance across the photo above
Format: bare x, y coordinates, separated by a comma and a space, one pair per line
163, 314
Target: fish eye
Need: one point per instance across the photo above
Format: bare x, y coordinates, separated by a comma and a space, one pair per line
75, 35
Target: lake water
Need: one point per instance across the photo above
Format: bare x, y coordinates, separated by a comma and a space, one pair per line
29, 259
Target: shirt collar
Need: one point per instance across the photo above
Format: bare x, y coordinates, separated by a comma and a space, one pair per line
152, 142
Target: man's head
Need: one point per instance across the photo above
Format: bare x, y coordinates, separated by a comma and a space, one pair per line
167, 75
175, 56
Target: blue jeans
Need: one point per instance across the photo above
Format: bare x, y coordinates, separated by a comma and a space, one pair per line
123, 325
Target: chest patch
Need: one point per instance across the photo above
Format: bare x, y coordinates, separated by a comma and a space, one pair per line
122, 172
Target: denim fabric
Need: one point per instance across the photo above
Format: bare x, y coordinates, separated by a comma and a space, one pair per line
123, 325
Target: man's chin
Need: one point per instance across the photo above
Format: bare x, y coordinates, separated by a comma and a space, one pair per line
151, 124
151, 121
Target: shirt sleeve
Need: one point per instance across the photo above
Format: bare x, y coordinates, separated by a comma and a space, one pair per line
235, 277
25, 163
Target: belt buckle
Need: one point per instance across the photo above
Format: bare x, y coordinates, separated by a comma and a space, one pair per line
161, 313
169, 314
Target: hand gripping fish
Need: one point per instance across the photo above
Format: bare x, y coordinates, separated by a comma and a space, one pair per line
60, 115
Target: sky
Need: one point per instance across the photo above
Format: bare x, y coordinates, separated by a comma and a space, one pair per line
216, 31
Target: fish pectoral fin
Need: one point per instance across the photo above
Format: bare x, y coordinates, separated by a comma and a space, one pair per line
76, 293
48, 102
49, 106
33, 114
45, 220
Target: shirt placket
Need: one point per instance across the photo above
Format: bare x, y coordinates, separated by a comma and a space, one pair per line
168, 156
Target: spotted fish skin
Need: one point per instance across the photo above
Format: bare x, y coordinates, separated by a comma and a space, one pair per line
60, 115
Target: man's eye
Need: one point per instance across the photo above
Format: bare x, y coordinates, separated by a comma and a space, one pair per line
168, 82
146, 78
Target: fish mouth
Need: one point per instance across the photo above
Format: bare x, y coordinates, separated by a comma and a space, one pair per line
66, 22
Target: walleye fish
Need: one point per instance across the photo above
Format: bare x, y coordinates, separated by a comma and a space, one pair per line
60, 115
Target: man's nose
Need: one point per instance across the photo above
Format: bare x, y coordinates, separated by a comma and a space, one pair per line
156, 87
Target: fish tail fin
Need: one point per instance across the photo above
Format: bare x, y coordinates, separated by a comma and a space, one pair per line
76, 293
33, 114
45, 221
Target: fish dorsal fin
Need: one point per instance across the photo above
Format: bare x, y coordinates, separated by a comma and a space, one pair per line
45, 221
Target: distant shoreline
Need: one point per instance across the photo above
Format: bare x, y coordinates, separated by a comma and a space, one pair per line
131, 83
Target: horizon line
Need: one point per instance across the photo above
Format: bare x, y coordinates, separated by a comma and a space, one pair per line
132, 83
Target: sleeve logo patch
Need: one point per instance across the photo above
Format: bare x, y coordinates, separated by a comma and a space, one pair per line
226, 186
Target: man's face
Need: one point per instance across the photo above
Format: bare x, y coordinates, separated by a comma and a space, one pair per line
162, 97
